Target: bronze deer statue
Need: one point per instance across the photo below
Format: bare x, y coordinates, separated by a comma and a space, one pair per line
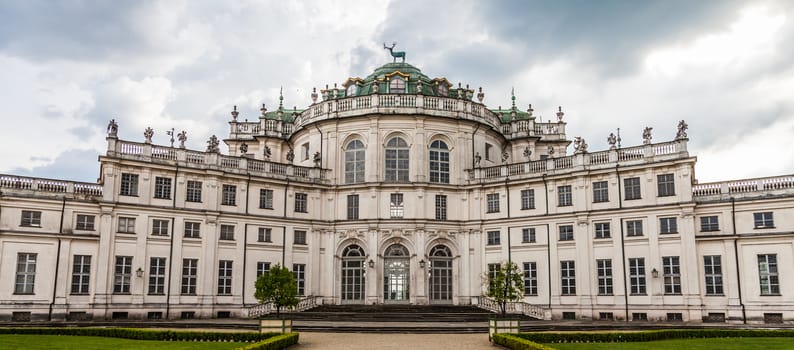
400, 54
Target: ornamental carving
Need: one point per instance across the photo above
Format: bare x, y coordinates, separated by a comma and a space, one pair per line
148, 133
113, 129
212, 145
681, 133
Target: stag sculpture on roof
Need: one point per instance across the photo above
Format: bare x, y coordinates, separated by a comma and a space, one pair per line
395, 55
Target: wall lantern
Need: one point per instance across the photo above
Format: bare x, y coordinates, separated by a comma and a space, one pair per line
655, 273
371, 263
139, 272
422, 263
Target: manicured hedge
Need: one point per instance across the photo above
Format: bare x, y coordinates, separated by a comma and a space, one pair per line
145, 334
278, 342
512, 342
642, 336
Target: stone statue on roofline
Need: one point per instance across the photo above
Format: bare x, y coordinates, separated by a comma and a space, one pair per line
113, 129
579, 145
681, 133
527, 152
148, 133
477, 159
612, 140
317, 159
212, 144
182, 137
290, 156
267, 152
505, 156
646, 135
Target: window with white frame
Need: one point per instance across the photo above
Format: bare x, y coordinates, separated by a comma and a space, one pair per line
264, 234
397, 85
530, 278
299, 237
225, 268
84, 222
712, 265
564, 196
631, 186
354, 162
265, 199
192, 229
227, 232
666, 185
193, 191
566, 232
129, 184
26, 273
352, 207
528, 235
488, 151
768, 275
122, 275
671, 272
709, 223
162, 187
126, 225
527, 199
441, 207
397, 160
229, 195
299, 270
602, 230
493, 271
396, 208
604, 270
633, 228
494, 238
301, 203
262, 267
30, 218
81, 274
600, 192
160, 227
668, 225
157, 276
567, 277
189, 276
763, 220
637, 276
305, 151
439, 162
492, 199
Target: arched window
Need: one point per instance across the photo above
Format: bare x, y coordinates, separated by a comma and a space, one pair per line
396, 250
439, 162
440, 251
396, 160
351, 89
353, 250
397, 85
354, 162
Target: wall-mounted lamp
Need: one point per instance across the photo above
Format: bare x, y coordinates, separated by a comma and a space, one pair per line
371, 263
139, 272
655, 273
422, 263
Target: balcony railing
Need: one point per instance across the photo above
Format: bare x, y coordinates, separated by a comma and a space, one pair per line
261, 310
739, 187
520, 308
50, 185
206, 160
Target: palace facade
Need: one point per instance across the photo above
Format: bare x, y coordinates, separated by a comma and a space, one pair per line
398, 188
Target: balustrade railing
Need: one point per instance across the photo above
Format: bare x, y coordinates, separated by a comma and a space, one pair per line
735, 187
49, 185
261, 310
512, 307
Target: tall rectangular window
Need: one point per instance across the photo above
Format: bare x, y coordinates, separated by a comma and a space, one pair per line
600, 192
712, 265
305, 151
530, 278
129, 184
301, 203
84, 222
709, 223
494, 238
763, 220
488, 151
632, 187
299, 237
26, 273
192, 229
528, 235
157, 276
564, 196
441, 207
668, 225
352, 207
671, 271
265, 199
229, 195
227, 233
637, 276
162, 187
122, 275
768, 275
193, 191
527, 199
396, 206
262, 267
264, 234
225, 277
493, 271
299, 270
493, 202
634, 228
160, 227
30, 218
666, 185
604, 269
566, 232
81, 274
568, 277
602, 230
126, 225
189, 276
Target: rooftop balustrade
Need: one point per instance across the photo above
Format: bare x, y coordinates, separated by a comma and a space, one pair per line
50, 185
739, 188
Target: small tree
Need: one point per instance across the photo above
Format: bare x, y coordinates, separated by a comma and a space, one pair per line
505, 285
277, 286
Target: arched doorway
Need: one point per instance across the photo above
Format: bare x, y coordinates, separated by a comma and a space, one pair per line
353, 275
440, 284
396, 274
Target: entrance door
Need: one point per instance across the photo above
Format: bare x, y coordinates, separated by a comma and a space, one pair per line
353, 275
440, 285
396, 274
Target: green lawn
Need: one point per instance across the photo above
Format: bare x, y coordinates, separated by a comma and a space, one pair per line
689, 344
69, 342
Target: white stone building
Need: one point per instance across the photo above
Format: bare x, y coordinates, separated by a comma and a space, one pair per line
398, 188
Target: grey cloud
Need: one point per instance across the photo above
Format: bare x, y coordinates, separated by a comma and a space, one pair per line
76, 165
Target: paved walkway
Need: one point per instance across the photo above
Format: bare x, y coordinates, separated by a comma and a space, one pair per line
356, 341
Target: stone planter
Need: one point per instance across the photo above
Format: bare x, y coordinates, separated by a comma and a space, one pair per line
278, 326
503, 325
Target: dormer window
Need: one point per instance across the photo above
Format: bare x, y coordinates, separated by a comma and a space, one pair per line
397, 86
443, 90
351, 90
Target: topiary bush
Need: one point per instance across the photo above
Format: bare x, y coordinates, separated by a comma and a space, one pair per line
510, 341
145, 334
277, 342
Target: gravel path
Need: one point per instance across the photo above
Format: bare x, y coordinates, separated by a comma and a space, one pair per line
355, 341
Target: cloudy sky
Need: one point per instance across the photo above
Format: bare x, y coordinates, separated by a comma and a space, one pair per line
726, 67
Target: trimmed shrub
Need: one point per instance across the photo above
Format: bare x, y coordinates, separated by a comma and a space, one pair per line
512, 342
278, 342
145, 334
643, 336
